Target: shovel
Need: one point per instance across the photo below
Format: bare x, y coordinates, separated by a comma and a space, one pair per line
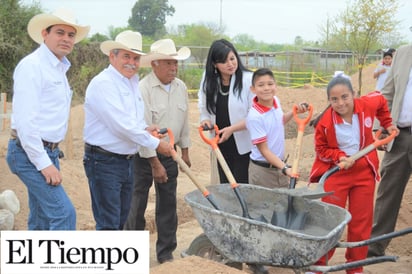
186, 169
377, 143
294, 219
235, 186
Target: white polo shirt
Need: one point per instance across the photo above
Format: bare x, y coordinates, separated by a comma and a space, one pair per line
266, 125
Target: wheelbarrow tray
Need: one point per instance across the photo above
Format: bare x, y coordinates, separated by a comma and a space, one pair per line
246, 240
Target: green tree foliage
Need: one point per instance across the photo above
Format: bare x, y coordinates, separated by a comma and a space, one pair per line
98, 37
245, 42
15, 43
87, 61
149, 17
198, 37
361, 27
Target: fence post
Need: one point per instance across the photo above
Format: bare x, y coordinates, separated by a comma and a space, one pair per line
3, 101
69, 141
312, 79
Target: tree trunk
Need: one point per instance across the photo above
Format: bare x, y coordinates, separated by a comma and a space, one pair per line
360, 80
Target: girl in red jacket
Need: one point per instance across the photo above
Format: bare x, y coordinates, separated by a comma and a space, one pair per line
343, 129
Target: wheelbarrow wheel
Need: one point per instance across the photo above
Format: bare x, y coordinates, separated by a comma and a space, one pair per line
201, 246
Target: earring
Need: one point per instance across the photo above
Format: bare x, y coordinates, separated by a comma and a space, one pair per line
215, 71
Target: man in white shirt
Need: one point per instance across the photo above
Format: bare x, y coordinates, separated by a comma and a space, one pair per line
167, 105
41, 107
114, 131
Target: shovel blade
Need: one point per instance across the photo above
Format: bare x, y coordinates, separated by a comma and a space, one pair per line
291, 219
297, 221
279, 219
294, 220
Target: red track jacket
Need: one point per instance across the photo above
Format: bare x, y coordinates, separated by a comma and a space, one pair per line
327, 150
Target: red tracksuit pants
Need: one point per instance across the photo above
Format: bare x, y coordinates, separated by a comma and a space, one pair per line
353, 189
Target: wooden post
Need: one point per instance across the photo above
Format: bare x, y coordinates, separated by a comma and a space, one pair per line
4, 110
68, 153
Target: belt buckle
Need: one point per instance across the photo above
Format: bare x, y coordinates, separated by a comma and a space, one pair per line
50, 145
128, 157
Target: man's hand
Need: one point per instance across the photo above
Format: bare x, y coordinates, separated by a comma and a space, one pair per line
158, 171
52, 175
165, 148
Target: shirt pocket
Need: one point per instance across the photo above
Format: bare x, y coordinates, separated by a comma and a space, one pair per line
182, 107
158, 112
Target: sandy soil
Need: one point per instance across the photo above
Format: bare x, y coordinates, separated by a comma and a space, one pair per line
76, 185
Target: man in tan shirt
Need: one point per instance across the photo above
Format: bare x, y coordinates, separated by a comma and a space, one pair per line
166, 105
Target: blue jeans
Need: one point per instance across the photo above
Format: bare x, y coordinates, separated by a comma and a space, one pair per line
111, 186
50, 207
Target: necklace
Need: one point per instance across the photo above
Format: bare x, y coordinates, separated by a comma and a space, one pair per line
226, 88
223, 93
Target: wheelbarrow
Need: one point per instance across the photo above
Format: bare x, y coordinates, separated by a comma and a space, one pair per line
240, 239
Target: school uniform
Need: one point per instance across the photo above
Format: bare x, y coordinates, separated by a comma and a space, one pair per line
334, 138
266, 125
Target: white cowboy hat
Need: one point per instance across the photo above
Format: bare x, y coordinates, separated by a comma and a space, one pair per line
59, 17
126, 40
164, 49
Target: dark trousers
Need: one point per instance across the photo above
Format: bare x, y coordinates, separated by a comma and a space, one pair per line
166, 215
396, 169
238, 165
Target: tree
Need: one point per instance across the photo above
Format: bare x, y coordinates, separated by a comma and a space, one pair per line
198, 37
149, 17
363, 26
15, 43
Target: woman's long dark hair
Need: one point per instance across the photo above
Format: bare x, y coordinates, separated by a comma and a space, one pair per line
218, 52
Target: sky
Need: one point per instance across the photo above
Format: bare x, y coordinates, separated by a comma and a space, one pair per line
270, 21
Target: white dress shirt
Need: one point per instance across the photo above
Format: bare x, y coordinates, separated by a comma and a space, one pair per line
405, 117
41, 103
114, 114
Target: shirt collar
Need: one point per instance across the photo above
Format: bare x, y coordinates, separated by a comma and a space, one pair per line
155, 82
262, 109
53, 59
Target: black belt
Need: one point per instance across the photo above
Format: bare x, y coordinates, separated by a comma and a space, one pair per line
50, 145
91, 148
263, 164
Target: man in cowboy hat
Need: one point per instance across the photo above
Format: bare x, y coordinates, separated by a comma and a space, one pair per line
41, 107
166, 104
114, 131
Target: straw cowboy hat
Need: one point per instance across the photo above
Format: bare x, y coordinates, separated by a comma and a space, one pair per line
164, 49
126, 40
59, 17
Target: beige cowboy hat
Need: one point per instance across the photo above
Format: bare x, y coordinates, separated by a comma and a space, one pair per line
59, 17
164, 49
126, 40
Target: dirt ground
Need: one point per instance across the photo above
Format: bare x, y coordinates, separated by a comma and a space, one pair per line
75, 183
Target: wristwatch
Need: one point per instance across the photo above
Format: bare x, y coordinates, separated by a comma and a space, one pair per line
284, 169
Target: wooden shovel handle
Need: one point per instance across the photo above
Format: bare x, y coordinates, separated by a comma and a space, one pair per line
223, 164
183, 165
377, 143
301, 123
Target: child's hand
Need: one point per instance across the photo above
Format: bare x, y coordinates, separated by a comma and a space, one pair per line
302, 107
346, 162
